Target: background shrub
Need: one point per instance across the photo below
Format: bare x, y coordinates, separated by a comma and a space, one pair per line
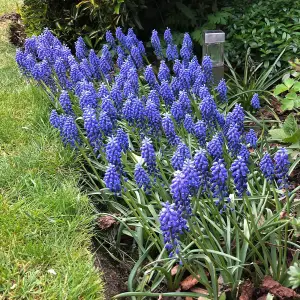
91, 18
267, 27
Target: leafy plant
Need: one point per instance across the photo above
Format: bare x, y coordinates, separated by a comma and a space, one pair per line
288, 92
288, 133
224, 219
294, 273
267, 27
254, 79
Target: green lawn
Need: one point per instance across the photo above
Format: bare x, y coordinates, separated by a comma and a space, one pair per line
44, 220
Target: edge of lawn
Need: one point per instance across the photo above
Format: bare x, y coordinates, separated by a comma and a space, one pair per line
45, 222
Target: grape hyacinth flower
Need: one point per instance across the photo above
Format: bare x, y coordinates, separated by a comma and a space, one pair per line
156, 44
186, 54
116, 96
112, 179
187, 41
237, 116
192, 176
185, 101
189, 124
222, 90
251, 138
55, 120
215, 147
86, 69
169, 130
110, 39
88, 99
65, 102
153, 96
233, 139
282, 165
202, 166
151, 78
172, 225
218, 180
267, 167
208, 109
148, 154
121, 36
105, 123
239, 172
69, 132
168, 36
163, 72
172, 52
137, 57
142, 178
122, 138
153, 117
199, 83
92, 128
80, 49
207, 68
200, 132
75, 73
167, 93
255, 101
180, 155
114, 152
180, 192
244, 153
177, 112
141, 48
109, 108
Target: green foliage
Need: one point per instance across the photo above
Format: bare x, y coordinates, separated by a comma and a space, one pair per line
267, 27
294, 273
288, 92
87, 18
254, 79
288, 133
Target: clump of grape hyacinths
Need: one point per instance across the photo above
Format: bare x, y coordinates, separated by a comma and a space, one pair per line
161, 132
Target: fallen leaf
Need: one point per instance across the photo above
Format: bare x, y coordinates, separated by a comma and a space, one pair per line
188, 282
247, 290
200, 291
174, 270
277, 289
106, 222
282, 215
188, 298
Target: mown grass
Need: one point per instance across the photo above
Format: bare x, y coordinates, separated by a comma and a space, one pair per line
44, 220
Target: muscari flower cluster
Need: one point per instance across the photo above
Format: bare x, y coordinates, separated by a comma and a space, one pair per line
175, 120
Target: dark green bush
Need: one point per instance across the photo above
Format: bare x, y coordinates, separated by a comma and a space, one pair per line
91, 18
267, 27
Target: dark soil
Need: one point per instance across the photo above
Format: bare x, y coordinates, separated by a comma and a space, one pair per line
114, 274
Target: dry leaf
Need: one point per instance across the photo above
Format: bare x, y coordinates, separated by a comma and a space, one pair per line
282, 215
188, 282
106, 222
160, 297
278, 290
247, 290
188, 298
200, 291
174, 270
